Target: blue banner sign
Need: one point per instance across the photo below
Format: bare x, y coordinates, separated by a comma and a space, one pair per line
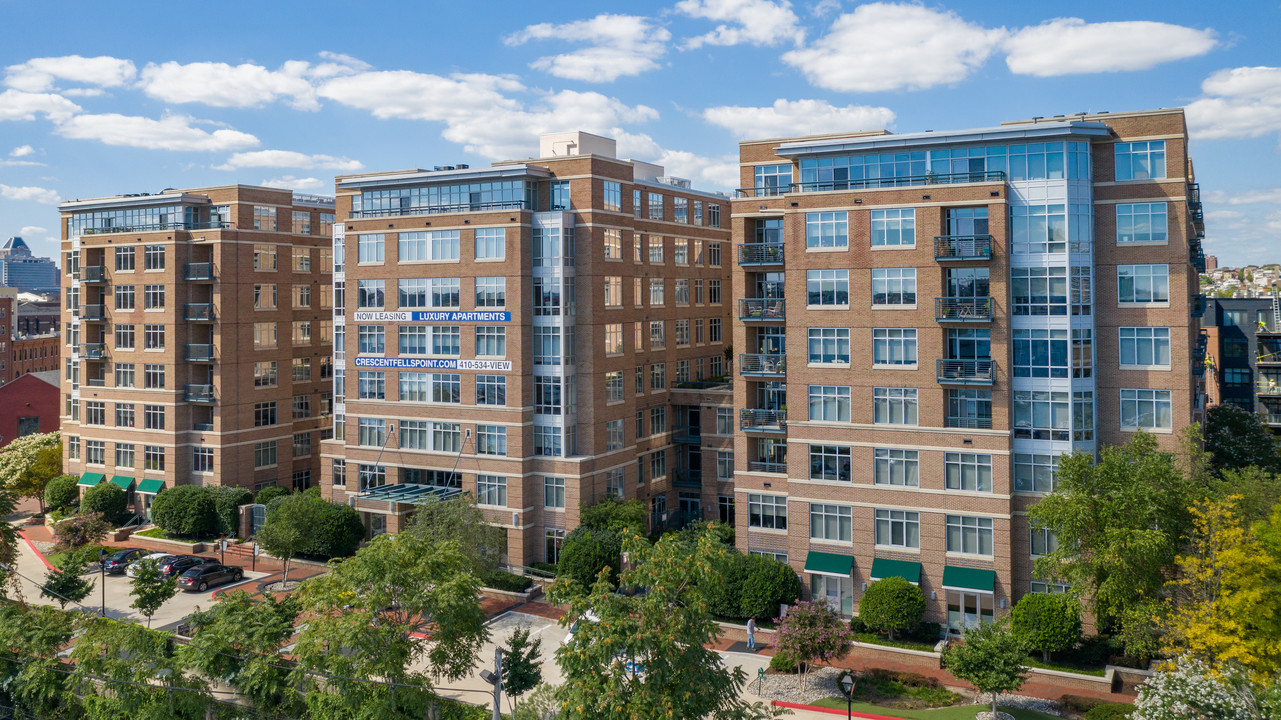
434, 364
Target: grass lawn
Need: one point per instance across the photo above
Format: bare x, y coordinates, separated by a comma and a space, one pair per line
961, 712
55, 558
162, 535
893, 693
876, 639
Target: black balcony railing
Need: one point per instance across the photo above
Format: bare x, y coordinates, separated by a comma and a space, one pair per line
91, 312
93, 273
762, 309
438, 209
198, 393
769, 466
686, 477
153, 227
1198, 306
762, 420
199, 312
968, 421
963, 309
763, 191
966, 372
762, 364
93, 351
962, 247
198, 271
687, 434
760, 254
904, 181
198, 353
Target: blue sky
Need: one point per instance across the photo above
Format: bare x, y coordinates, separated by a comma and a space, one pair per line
105, 98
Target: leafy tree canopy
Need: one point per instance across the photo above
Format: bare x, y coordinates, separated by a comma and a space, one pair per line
613, 514
892, 604
1236, 439
990, 657
458, 520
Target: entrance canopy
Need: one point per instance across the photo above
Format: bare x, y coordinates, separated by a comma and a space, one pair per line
410, 493
91, 479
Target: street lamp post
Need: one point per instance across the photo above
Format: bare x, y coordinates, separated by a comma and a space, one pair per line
102, 580
847, 686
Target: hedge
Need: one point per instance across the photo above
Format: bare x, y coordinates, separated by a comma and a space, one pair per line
269, 493
61, 493
586, 552
338, 531
1110, 711
503, 580
227, 501
185, 511
109, 500
750, 586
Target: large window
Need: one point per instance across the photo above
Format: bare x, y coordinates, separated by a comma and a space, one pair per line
830, 402
894, 346
1145, 346
612, 196
553, 492
830, 462
895, 227
827, 230
1143, 283
831, 522
772, 179
1042, 415
828, 287
1146, 410
1140, 160
371, 339
491, 389
969, 535
369, 294
1038, 228
767, 511
968, 471
491, 341
1034, 473
1142, 223
491, 292
370, 247
829, 345
892, 466
1041, 353
1039, 290
371, 385
491, 440
429, 245
898, 528
894, 406
894, 286
654, 206
491, 243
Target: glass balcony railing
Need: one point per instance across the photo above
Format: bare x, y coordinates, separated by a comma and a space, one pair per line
198, 271
198, 353
202, 427
966, 372
93, 351
198, 393
762, 420
198, 312
91, 312
900, 181
762, 309
93, 273
963, 309
438, 209
762, 364
687, 434
760, 254
962, 247
968, 421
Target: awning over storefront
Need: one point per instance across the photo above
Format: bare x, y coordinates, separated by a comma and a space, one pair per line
969, 579
821, 563
150, 486
91, 479
884, 568
123, 482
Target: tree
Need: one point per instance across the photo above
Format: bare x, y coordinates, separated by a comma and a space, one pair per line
586, 552
290, 528
1188, 688
227, 500
394, 588
521, 665
67, 583
542, 704
1225, 607
1047, 622
812, 630
663, 631
141, 676
613, 514
767, 583
1236, 438
45, 465
338, 530
61, 493
80, 531
460, 521
108, 500
151, 589
1119, 524
8, 542
990, 657
31, 638
269, 493
892, 604
1260, 491
186, 511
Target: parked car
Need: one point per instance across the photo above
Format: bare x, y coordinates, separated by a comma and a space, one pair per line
202, 577
160, 557
116, 562
179, 564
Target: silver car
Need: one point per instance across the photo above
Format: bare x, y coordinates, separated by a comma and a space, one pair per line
159, 558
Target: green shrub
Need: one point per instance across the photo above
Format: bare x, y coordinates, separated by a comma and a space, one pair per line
724, 594
928, 632
185, 511
269, 493
313, 492
1047, 622
108, 500
1081, 703
784, 662
1110, 711
227, 501
544, 567
905, 678
503, 580
892, 604
767, 583
613, 514
337, 532
857, 625
61, 493
587, 551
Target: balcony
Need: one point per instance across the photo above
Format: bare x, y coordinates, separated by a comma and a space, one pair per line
762, 364
966, 372
198, 271
762, 309
198, 353
767, 466
1195, 211
760, 254
767, 421
1198, 258
93, 351
902, 181
763, 191
198, 393
962, 247
684, 477
1198, 306
96, 382
972, 422
153, 227
202, 427
93, 313
687, 435
963, 309
1269, 418
93, 273
198, 312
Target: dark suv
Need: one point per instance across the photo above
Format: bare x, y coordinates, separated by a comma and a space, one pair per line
116, 562
202, 577
175, 566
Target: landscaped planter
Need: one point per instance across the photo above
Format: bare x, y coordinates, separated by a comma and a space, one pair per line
166, 545
533, 592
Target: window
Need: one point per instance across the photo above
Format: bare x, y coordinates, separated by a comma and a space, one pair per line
491, 292
1038, 228
301, 407
491, 243
614, 483
829, 346
613, 244
714, 220
302, 255
656, 249
636, 206
656, 286
265, 454
1039, 291
724, 421
713, 292
491, 440
828, 287
1042, 542
680, 210
613, 343
124, 415
491, 490
894, 227
827, 230
553, 492
301, 370
894, 286
433, 436
265, 296
894, 406
491, 389
894, 346
829, 402
446, 387
1041, 415
831, 522
371, 339
153, 376
1141, 223
372, 385
372, 432
969, 535
124, 375
302, 444
657, 420
1143, 283
612, 196
898, 528
264, 218
1034, 473
654, 206
124, 336
613, 292
264, 335
73, 447
371, 476
830, 462
891, 466
547, 395
1140, 160
613, 435
153, 296
658, 465
124, 259
339, 474
658, 376
713, 330
265, 257
491, 341
125, 297
302, 297
614, 386
264, 414
657, 334
153, 337
1146, 410
1145, 346
767, 511
682, 334
724, 465
369, 294
1041, 353
153, 457
370, 247
773, 179
153, 257
95, 452
125, 455
681, 291
968, 471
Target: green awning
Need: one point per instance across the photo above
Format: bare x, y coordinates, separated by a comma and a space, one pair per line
123, 482
885, 568
151, 486
969, 579
91, 479
821, 563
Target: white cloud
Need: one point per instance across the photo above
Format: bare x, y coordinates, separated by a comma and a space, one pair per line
422, 96
171, 132
755, 22
288, 159
797, 117
620, 45
889, 46
21, 151
32, 230
223, 85
1251, 197
20, 163
1067, 46
1236, 103
289, 182
39, 74
823, 8
717, 172
40, 195
19, 105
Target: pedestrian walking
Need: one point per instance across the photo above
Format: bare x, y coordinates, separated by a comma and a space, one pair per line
751, 633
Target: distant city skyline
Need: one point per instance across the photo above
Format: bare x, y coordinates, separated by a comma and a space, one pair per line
119, 100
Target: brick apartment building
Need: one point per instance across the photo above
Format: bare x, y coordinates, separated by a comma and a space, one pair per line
540, 333
198, 338
1244, 355
929, 320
